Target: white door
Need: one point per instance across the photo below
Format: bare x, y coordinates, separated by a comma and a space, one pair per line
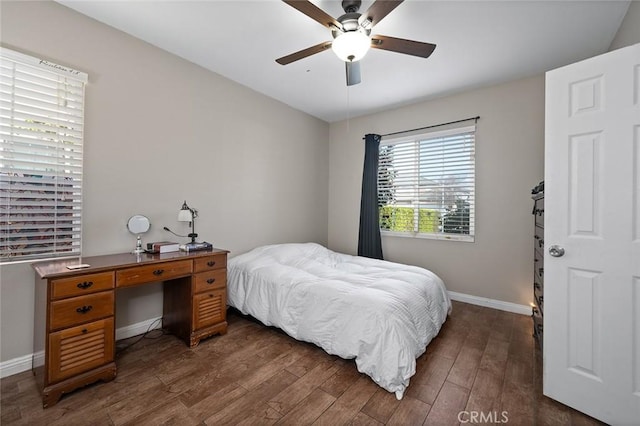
592, 212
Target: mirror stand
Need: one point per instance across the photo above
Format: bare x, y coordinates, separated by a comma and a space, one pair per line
138, 224
138, 248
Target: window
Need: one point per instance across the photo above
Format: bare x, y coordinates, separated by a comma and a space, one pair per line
426, 185
41, 137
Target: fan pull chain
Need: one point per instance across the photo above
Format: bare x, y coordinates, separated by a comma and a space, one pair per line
348, 109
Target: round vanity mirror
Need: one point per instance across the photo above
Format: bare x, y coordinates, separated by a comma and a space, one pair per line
138, 224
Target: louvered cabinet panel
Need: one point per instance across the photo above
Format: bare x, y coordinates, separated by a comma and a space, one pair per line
209, 308
78, 349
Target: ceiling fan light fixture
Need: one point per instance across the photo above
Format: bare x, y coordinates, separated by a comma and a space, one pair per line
351, 46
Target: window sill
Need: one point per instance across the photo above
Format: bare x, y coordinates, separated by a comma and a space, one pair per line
445, 237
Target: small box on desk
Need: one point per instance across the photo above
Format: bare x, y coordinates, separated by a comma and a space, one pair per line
162, 247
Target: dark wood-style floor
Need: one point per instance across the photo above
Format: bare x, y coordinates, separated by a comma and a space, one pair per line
483, 361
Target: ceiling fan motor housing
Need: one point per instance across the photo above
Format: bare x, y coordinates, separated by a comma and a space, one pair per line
349, 23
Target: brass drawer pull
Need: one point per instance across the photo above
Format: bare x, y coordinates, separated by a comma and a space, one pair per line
211, 280
158, 272
84, 309
84, 331
211, 263
85, 285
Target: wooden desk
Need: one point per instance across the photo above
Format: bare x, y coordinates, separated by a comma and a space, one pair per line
75, 310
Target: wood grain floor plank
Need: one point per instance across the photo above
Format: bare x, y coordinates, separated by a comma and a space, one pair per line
309, 409
153, 397
242, 408
463, 371
259, 375
349, 404
262, 415
216, 400
495, 356
430, 378
173, 412
381, 405
410, 412
363, 420
309, 362
450, 402
485, 393
292, 395
345, 376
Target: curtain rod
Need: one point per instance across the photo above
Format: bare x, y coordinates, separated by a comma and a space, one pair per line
476, 118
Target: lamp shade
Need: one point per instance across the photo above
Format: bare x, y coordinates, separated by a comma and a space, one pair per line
185, 214
351, 46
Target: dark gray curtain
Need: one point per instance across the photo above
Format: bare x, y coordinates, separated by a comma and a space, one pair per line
369, 244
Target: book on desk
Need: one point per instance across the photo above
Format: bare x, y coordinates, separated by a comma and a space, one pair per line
189, 247
162, 247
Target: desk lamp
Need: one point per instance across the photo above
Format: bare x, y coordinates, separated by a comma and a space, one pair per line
188, 214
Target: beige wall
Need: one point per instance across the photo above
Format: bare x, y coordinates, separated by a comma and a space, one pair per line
509, 162
629, 32
160, 130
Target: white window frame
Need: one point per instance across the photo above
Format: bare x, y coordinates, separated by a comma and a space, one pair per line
414, 198
41, 156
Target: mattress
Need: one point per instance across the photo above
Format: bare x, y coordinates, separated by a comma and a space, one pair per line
381, 313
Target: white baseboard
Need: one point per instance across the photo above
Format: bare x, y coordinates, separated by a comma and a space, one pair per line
138, 328
24, 363
15, 366
491, 303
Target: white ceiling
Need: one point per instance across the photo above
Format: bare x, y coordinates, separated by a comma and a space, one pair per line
479, 43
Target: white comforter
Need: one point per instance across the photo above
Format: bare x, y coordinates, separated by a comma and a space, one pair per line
383, 314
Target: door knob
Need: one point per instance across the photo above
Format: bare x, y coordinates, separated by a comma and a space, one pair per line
556, 251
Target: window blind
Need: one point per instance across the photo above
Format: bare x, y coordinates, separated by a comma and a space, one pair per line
41, 131
426, 184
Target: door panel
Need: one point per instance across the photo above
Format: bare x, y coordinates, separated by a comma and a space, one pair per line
584, 185
584, 326
592, 196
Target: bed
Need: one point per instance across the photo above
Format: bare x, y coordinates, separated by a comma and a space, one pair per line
381, 313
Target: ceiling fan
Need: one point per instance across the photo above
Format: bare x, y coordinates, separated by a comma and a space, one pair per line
352, 37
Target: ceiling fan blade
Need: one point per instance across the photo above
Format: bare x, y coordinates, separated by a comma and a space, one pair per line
378, 11
400, 45
304, 53
353, 73
314, 12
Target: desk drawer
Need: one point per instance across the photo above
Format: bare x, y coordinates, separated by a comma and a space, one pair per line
216, 261
81, 309
210, 280
153, 273
82, 284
